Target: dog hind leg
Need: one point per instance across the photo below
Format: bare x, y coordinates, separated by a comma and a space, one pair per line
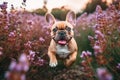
71, 59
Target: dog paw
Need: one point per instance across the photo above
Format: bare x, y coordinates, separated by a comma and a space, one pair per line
53, 63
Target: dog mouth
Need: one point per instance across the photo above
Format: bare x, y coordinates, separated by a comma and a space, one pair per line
62, 42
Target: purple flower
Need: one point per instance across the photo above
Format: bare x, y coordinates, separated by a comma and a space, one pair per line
41, 39
96, 27
103, 74
31, 55
90, 38
30, 22
19, 21
1, 53
12, 34
23, 62
98, 9
1, 50
4, 5
85, 54
12, 65
97, 32
6, 27
23, 77
47, 32
22, 65
28, 44
23, 58
118, 66
97, 48
39, 62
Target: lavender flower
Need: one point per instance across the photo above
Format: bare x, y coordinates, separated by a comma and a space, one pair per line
97, 48
118, 66
12, 34
31, 55
1, 51
97, 32
23, 62
30, 22
85, 54
103, 74
17, 69
90, 38
41, 39
4, 5
28, 44
39, 62
6, 27
12, 65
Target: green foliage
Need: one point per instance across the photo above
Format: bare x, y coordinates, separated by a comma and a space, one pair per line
79, 14
83, 42
92, 6
59, 13
40, 11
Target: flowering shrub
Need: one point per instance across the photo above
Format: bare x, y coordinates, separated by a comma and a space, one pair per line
104, 60
23, 32
17, 70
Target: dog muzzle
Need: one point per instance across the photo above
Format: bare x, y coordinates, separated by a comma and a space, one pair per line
62, 42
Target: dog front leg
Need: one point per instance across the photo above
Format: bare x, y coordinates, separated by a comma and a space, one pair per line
53, 61
71, 59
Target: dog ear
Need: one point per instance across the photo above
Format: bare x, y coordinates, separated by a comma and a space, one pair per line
71, 18
50, 18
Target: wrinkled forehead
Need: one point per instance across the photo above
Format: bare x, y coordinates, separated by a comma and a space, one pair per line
62, 25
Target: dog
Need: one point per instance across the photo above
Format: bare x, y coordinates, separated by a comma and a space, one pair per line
63, 44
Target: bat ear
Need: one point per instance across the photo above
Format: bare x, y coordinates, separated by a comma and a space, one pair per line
71, 18
50, 18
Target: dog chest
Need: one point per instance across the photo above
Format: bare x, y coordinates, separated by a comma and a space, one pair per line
62, 51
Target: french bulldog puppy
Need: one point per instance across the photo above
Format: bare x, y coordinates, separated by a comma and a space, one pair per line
63, 44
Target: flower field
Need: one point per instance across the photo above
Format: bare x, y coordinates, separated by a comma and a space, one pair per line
25, 37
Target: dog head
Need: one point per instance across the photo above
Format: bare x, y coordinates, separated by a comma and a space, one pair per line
62, 31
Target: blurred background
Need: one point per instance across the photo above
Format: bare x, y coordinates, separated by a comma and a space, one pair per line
42, 6
25, 37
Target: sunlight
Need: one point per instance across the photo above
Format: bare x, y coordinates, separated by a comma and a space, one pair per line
75, 5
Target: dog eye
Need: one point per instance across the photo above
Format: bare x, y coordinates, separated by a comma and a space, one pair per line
55, 29
68, 28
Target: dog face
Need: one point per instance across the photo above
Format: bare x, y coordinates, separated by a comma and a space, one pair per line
62, 31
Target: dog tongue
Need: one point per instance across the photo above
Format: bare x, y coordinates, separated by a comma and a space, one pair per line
63, 42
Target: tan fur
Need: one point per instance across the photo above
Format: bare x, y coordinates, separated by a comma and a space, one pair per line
72, 46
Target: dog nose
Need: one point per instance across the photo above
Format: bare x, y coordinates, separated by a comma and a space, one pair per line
62, 33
